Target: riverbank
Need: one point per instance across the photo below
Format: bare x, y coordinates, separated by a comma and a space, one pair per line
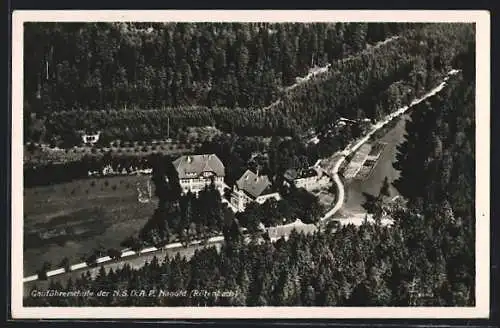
383, 168
350, 149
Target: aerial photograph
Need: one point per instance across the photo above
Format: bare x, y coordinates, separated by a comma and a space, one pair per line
249, 164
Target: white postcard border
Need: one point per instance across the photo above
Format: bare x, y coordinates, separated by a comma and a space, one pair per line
482, 22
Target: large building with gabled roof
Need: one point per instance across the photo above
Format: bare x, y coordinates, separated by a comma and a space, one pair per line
310, 179
197, 171
252, 187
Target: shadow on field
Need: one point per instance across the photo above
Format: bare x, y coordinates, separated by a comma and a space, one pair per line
74, 226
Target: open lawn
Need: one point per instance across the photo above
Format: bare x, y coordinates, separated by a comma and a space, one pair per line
383, 168
72, 219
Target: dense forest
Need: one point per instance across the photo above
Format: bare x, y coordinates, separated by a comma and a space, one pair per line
83, 81
114, 66
232, 93
425, 258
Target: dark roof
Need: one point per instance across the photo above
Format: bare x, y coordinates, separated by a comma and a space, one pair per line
191, 166
292, 174
253, 184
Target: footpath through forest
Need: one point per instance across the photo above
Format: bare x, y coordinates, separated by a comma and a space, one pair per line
315, 72
138, 259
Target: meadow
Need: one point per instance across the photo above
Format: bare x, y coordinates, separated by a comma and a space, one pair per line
73, 219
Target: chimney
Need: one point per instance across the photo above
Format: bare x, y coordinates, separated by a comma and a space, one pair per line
189, 159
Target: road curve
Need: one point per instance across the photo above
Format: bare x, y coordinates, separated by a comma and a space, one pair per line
351, 149
275, 232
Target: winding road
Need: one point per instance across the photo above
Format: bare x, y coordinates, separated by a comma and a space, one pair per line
137, 259
324, 69
350, 149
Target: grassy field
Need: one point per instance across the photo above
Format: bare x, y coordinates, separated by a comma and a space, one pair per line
383, 168
72, 219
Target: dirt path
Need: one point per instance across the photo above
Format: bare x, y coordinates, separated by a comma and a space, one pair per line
324, 69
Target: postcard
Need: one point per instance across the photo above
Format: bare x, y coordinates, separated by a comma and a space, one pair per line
250, 164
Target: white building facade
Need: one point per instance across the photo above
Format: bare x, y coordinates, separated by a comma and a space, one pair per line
198, 171
252, 188
310, 179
